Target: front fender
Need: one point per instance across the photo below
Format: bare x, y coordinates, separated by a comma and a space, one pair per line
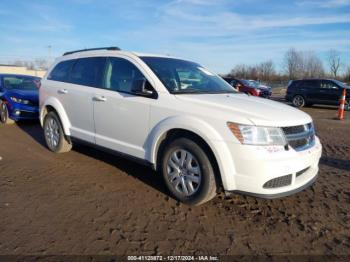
56, 104
202, 129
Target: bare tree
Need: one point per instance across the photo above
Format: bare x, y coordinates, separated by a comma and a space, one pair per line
312, 65
334, 62
41, 63
240, 71
347, 75
29, 65
293, 63
266, 70
297, 64
18, 63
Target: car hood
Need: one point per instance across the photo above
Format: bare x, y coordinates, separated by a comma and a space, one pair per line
32, 95
236, 107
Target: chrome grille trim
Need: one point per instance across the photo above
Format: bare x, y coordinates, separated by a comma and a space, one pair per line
300, 137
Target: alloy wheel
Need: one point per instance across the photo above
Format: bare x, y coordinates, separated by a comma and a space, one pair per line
52, 133
183, 172
298, 101
3, 113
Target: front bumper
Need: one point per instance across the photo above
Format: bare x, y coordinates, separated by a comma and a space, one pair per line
265, 93
256, 166
278, 195
23, 112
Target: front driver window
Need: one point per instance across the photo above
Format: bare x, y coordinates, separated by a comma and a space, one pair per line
328, 85
121, 74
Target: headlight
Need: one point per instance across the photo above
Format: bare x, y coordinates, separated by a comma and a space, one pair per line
257, 135
19, 100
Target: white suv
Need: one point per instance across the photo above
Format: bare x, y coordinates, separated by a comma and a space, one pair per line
183, 120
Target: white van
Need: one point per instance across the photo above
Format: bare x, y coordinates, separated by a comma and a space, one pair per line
181, 119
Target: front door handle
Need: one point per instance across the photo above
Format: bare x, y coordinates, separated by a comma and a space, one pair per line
62, 91
100, 98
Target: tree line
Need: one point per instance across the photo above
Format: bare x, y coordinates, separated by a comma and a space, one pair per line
296, 64
37, 64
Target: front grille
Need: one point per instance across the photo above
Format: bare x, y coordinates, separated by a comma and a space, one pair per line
279, 182
300, 137
302, 171
293, 129
28, 114
33, 103
265, 93
298, 143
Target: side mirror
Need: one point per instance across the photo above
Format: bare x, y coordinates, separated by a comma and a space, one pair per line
142, 87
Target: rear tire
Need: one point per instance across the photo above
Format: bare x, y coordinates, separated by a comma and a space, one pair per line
298, 101
4, 114
187, 172
55, 138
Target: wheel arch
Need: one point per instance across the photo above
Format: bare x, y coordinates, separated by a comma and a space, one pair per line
197, 130
54, 105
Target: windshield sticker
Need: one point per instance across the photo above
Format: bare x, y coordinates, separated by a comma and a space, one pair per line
205, 71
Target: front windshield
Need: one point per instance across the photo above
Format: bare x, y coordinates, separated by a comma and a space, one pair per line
250, 83
254, 83
182, 77
341, 84
21, 82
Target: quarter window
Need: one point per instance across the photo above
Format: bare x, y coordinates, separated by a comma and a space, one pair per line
121, 74
61, 71
88, 71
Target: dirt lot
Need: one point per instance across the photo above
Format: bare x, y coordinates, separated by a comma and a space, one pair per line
88, 202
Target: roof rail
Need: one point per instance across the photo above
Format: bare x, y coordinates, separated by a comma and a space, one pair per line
92, 49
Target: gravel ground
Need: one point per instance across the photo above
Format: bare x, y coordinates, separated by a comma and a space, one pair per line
89, 202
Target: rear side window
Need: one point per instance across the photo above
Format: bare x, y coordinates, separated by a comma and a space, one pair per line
311, 84
88, 71
61, 71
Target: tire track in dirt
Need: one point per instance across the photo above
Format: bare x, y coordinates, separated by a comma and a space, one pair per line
88, 202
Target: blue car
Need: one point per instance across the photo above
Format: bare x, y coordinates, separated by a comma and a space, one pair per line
19, 97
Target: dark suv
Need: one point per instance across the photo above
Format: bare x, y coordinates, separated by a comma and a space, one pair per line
316, 91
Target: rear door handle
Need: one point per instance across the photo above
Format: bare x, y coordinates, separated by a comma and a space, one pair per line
100, 98
62, 91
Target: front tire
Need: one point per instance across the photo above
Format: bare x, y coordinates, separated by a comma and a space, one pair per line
4, 114
55, 138
187, 172
298, 101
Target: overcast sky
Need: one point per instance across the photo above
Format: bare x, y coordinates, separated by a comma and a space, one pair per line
219, 33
